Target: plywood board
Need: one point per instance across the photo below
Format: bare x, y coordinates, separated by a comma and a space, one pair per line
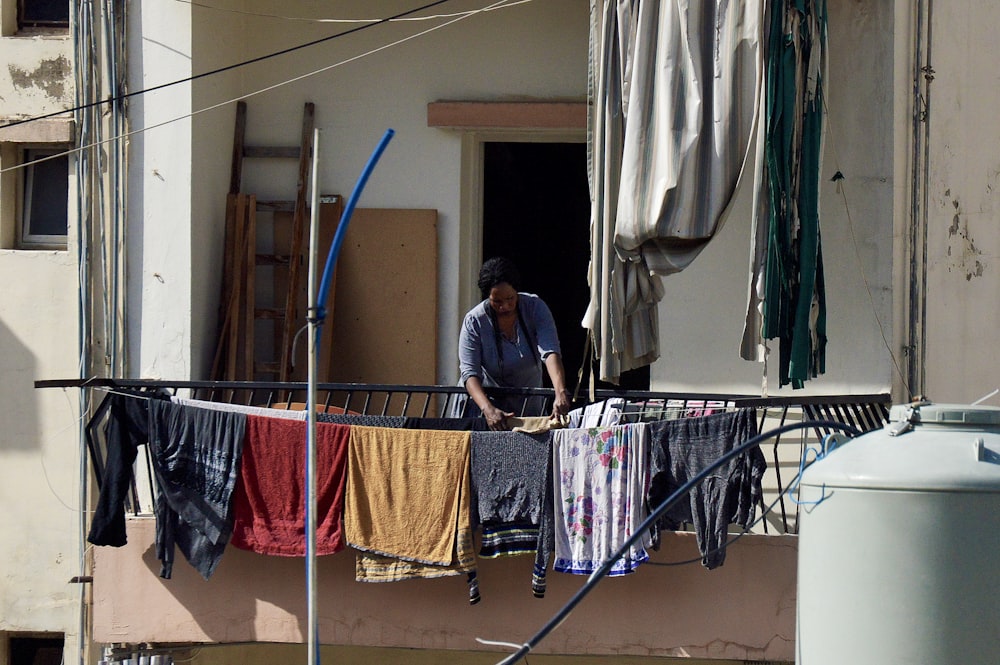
384, 327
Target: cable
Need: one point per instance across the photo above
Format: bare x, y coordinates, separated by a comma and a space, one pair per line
254, 93
226, 68
838, 177
341, 20
601, 572
768, 509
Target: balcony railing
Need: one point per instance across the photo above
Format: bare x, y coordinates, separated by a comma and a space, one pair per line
784, 452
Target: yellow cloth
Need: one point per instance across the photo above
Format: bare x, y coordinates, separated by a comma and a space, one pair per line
537, 424
407, 503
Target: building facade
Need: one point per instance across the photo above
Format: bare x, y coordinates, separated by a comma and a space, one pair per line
909, 239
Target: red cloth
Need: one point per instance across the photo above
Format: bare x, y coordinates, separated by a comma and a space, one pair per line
270, 496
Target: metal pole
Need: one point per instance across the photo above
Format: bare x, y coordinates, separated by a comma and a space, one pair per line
314, 334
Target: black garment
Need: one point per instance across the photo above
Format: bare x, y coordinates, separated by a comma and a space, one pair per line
453, 424
196, 455
680, 450
127, 429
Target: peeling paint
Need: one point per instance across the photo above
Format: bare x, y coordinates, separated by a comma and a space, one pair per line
51, 76
968, 260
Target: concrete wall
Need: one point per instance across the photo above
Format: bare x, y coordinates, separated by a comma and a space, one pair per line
160, 215
39, 454
963, 204
744, 610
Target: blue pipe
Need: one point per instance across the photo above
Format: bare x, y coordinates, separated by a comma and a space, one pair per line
338, 238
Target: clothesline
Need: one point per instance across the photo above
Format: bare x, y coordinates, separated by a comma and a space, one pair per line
254, 453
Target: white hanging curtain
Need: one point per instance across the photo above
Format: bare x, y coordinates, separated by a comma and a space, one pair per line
674, 91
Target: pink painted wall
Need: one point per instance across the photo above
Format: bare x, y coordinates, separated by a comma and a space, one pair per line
743, 610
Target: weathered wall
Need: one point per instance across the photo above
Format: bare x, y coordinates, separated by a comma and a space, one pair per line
744, 610
963, 204
39, 460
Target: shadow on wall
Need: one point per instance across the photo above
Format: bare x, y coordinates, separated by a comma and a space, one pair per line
18, 397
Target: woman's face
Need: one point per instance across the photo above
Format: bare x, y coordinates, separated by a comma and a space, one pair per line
503, 299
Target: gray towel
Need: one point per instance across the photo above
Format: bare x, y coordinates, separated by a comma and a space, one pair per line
680, 449
511, 476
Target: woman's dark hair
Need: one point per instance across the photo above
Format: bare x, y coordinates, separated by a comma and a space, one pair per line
497, 271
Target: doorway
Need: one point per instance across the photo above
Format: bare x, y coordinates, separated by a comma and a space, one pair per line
536, 212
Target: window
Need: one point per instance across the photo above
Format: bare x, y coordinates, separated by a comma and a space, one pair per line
36, 650
44, 198
42, 14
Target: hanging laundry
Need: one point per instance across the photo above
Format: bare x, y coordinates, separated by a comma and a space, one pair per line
511, 477
537, 424
787, 294
599, 414
290, 414
680, 450
269, 506
196, 455
477, 424
599, 484
407, 505
127, 429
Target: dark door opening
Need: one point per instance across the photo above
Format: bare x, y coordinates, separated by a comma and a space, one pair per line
536, 212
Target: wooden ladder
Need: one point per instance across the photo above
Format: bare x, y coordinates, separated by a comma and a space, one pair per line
236, 352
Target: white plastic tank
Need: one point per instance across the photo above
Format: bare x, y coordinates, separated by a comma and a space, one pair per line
899, 543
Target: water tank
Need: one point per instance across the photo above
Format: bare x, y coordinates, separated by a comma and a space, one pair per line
899, 543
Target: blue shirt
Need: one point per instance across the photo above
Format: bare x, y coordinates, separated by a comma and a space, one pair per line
477, 349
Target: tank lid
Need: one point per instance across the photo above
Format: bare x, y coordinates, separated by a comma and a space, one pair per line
929, 413
923, 447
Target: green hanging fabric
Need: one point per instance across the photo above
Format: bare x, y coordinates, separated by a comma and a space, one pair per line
794, 303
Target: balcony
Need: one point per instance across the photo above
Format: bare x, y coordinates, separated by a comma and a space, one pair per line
671, 607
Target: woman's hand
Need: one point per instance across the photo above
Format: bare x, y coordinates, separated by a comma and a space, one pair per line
561, 404
496, 419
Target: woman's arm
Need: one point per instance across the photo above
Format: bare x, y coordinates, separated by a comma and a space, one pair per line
557, 374
495, 418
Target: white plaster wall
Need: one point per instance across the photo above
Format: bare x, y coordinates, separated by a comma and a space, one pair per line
533, 51
701, 316
39, 460
160, 190
963, 204
217, 44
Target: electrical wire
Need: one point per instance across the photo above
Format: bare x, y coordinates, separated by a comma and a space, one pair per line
839, 179
250, 61
253, 93
305, 19
748, 529
670, 501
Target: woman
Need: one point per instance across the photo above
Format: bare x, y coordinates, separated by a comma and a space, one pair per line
505, 340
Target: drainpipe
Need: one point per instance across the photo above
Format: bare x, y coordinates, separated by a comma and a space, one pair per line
82, 34
916, 323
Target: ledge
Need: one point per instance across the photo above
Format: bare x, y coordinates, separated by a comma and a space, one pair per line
744, 610
49, 130
507, 115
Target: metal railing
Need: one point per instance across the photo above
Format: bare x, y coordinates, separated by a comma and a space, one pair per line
863, 412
